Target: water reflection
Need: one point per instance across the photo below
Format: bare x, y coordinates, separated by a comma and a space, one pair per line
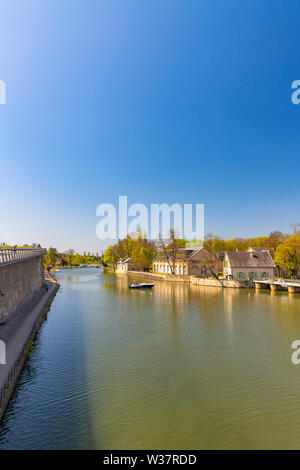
181, 366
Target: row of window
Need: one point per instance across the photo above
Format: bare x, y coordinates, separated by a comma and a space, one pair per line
165, 268
252, 275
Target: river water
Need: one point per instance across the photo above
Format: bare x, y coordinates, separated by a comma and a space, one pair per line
179, 367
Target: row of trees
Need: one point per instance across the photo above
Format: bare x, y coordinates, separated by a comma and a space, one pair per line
69, 258
215, 243
141, 250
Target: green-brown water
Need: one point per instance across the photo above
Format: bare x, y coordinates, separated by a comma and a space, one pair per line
180, 367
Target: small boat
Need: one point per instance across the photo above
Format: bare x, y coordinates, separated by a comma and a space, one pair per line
54, 270
142, 285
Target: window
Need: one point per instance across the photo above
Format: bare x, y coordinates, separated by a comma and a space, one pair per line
252, 275
203, 272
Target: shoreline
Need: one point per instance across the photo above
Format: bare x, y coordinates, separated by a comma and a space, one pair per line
17, 332
205, 282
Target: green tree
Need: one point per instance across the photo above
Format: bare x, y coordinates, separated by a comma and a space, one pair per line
79, 259
287, 255
275, 238
111, 256
52, 256
143, 254
70, 254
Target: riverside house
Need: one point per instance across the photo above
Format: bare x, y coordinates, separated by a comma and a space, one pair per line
188, 261
252, 264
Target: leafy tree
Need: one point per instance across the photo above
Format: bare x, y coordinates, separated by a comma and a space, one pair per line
111, 256
140, 249
231, 244
70, 256
287, 255
129, 244
79, 259
51, 256
275, 239
143, 254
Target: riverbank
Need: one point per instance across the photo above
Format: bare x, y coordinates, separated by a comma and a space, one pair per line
17, 332
200, 281
78, 267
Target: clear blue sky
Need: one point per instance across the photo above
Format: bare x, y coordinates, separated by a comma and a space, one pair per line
183, 101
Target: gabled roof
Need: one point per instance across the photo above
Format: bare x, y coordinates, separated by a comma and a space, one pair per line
182, 254
124, 260
246, 259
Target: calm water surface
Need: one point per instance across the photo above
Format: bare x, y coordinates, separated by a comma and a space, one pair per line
182, 367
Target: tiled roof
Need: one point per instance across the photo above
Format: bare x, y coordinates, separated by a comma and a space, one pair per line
182, 254
246, 259
124, 260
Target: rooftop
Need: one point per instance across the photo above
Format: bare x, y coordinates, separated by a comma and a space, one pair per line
248, 259
181, 254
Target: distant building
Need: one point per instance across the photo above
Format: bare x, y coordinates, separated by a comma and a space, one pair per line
125, 265
251, 264
188, 261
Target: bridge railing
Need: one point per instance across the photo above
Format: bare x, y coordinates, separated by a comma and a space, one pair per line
14, 254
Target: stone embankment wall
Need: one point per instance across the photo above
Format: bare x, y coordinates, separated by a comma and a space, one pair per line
200, 281
18, 282
19, 329
162, 277
231, 283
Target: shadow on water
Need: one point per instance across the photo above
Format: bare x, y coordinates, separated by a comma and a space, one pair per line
49, 408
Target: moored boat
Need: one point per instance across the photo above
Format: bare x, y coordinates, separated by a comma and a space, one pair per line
142, 285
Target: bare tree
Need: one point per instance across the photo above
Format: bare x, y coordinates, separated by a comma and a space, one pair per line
211, 264
166, 254
174, 250
173, 245
295, 227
